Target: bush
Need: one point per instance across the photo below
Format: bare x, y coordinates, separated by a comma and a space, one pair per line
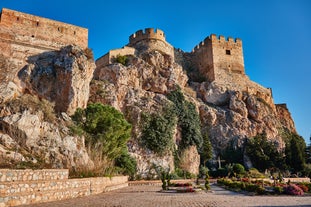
278, 189
33, 104
303, 187
157, 131
188, 120
293, 189
238, 169
206, 185
254, 173
89, 53
122, 59
127, 164
107, 133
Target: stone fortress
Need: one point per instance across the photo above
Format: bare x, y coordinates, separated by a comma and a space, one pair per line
219, 60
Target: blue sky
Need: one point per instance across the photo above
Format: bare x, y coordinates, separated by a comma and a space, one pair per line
276, 35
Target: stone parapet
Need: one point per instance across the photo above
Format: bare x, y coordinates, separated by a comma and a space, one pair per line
20, 187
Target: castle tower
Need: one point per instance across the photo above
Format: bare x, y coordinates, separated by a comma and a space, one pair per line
216, 57
149, 40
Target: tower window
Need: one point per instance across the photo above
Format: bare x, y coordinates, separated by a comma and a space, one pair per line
228, 52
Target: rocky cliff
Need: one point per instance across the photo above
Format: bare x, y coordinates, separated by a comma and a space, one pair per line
37, 99
34, 122
229, 114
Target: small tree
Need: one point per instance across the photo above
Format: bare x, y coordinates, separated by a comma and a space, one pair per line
207, 186
238, 169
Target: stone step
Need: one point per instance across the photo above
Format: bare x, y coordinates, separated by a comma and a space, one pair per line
9, 175
24, 187
39, 197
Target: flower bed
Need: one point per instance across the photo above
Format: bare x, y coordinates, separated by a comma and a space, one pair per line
260, 187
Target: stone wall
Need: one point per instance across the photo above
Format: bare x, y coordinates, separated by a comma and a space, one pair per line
23, 36
42, 32
108, 58
18, 187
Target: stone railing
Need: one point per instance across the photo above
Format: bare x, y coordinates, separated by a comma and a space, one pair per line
18, 187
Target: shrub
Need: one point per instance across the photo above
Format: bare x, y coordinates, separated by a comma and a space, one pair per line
238, 169
188, 120
293, 189
260, 190
303, 187
107, 133
127, 164
207, 186
254, 173
89, 53
122, 59
251, 187
278, 189
157, 131
33, 104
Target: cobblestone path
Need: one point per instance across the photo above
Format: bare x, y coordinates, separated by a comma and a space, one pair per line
149, 196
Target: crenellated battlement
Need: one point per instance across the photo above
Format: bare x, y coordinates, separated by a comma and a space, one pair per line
218, 40
148, 33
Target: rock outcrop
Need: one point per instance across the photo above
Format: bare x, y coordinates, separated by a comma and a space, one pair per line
62, 77
39, 93
51, 83
232, 109
27, 137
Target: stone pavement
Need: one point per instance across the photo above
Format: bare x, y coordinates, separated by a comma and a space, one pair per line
149, 196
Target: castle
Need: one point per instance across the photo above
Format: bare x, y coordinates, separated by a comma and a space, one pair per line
217, 59
211, 56
23, 35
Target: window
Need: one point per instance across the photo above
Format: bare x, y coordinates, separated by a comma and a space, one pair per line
17, 18
37, 24
228, 52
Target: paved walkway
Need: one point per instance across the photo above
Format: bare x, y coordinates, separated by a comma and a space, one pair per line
149, 196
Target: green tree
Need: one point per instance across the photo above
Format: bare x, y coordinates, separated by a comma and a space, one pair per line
206, 149
127, 164
106, 129
188, 120
157, 130
232, 154
295, 152
308, 152
263, 153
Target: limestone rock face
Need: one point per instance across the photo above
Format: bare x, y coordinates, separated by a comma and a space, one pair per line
27, 137
27, 131
61, 77
136, 88
232, 109
190, 160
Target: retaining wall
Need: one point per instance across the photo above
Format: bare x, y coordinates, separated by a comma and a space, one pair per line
18, 187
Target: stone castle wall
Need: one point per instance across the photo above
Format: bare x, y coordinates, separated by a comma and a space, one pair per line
24, 35
20, 187
108, 57
42, 32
